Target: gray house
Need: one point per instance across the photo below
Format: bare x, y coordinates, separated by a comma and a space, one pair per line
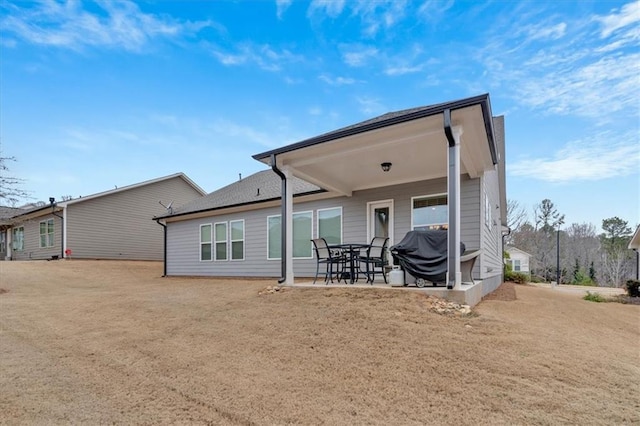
114, 224
439, 166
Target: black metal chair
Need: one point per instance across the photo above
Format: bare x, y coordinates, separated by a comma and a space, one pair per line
375, 258
328, 257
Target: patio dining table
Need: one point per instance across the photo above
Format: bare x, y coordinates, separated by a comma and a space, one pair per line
351, 250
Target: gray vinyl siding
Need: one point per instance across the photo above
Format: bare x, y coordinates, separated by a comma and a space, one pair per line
120, 225
183, 236
32, 249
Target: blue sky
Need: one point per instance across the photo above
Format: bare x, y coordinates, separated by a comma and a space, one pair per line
94, 95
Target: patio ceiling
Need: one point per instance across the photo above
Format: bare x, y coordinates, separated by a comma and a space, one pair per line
349, 159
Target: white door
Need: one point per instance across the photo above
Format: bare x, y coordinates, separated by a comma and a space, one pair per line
380, 220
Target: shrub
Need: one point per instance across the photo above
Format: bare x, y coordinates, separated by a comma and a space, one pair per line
633, 288
594, 297
516, 277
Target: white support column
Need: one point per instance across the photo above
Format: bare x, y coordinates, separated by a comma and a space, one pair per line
288, 223
64, 231
454, 276
9, 239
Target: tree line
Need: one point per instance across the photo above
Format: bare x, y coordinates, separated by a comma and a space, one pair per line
586, 257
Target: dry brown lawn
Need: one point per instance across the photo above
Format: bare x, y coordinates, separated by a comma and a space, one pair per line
113, 342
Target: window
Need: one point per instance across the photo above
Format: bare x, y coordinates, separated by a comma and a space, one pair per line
220, 237
301, 236
487, 210
3, 241
18, 238
330, 225
205, 242
237, 239
515, 265
429, 213
46, 233
274, 235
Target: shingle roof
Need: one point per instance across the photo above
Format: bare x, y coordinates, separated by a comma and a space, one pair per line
256, 188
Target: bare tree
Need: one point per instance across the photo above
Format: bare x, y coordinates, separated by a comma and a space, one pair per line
548, 221
616, 258
10, 191
516, 215
582, 249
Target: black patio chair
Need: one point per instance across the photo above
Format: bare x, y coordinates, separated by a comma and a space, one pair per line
375, 259
329, 257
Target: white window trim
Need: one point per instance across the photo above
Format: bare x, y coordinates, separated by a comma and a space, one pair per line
201, 243
14, 240
226, 241
438, 195
293, 214
231, 241
46, 234
3, 241
341, 221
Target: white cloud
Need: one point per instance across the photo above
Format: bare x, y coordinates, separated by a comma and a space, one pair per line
337, 81
378, 14
628, 15
332, 8
357, 55
403, 69
265, 57
541, 32
561, 68
282, 6
433, 10
118, 25
370, 106
602, 156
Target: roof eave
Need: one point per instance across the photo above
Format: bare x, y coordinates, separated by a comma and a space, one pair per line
482, 100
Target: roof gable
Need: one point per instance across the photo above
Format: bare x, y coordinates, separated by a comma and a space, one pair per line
257, 188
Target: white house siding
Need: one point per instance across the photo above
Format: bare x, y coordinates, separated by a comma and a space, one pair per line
183, 236
120, 225
32, 250
516, 254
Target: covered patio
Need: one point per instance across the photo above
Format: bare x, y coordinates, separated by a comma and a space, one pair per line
446, 140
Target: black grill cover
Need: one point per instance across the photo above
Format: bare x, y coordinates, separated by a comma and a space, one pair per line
424, 254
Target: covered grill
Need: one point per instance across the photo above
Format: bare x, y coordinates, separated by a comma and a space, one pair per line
423, 254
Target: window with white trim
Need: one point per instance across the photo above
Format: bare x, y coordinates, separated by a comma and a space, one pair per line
46, 233
487, 210
515, 265
302, 234
220, 240
429, 212
274, 235
3, 241
330, 225
237, 239
17, 242
205, 242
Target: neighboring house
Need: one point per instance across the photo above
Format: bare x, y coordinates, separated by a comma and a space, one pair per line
6, 213
634, 245
439, 166
114, 224
518, 260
